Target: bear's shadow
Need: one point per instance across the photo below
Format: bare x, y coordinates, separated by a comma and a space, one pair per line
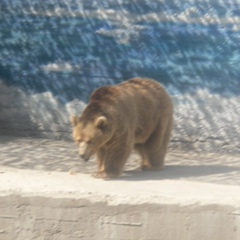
212, 173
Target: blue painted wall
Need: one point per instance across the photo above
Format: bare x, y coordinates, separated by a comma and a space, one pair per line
70, 47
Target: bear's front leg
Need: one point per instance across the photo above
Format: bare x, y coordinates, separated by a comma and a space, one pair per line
116, 158
111, 160
100, 164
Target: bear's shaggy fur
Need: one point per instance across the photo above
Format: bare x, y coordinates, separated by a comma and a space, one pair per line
136, 114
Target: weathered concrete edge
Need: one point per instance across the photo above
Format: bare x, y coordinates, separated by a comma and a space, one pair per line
35, 216
133, 190
57, 205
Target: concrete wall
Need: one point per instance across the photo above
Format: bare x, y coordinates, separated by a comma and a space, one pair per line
203, 121
72, 219
50, 205
54, 53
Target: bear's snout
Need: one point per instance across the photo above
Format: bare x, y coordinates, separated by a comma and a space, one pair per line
84, 157
84, 151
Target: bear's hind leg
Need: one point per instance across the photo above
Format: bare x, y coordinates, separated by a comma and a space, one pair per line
145, 164
156, 146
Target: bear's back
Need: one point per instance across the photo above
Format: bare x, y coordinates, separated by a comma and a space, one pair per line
135, 97
136, 105
147, 93
142, 87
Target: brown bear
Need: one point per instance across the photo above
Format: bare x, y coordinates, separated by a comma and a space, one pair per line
136, 114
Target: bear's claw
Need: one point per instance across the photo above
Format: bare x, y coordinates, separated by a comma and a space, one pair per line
99, 175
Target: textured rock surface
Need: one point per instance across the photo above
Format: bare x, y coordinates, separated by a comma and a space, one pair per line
56, 52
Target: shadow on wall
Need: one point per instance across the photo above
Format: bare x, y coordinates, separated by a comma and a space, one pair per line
36, 115
14, 118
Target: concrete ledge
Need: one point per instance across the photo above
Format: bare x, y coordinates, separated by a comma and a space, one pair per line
57, 205
196, 197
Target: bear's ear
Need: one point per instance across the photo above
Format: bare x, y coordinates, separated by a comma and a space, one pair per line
100, 122
74, 120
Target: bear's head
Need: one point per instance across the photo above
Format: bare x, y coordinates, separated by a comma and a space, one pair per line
89, 135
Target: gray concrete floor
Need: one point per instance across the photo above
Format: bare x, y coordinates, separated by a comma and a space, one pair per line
61, 156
